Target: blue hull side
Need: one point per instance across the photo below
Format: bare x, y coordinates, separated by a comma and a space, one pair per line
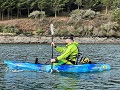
60, 68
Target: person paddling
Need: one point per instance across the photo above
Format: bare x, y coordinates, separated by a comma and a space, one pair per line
69, 52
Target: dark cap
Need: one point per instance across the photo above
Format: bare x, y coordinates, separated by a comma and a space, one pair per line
69, 37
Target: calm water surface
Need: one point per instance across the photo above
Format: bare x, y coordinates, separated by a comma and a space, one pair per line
27, 80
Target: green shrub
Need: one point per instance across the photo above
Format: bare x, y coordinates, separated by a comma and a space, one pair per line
1, 28
63, 32
116, 15
8, 29
75, 33
110, 28
37, 14
40, 31
77, 15
89, 14
5, 30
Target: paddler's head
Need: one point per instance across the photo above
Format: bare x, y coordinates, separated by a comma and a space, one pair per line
69, 39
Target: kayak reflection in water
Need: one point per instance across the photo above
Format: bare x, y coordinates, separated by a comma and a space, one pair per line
69, 52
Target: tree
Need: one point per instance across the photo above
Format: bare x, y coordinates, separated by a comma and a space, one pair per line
10, 5
19, 5
33, 4
107, 4
2, 8
28, 5
90, 3
57, 5
79, 3
116, 4
69, 3
116, 15
41, 4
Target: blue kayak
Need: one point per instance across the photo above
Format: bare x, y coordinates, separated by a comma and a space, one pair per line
14, 65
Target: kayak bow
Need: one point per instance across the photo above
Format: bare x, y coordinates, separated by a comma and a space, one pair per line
61, 68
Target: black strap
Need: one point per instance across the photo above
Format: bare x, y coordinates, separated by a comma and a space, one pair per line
77, 57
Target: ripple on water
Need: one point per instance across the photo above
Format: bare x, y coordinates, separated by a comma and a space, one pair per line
27, 80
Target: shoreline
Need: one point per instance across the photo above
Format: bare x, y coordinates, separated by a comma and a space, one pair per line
21, 39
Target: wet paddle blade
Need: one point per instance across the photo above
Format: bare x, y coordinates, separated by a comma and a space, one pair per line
52, 28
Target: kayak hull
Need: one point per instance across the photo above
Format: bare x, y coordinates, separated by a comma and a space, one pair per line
60, 68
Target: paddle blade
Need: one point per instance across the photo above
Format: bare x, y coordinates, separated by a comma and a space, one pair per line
52, 28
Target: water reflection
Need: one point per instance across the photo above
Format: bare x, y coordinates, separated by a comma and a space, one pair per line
15, 80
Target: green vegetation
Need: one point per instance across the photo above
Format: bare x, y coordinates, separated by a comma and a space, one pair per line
110, 29
11, 29
116, 15
8, 29
18, 8
85, 17
79, 3
77, 14
37, 15
40, 31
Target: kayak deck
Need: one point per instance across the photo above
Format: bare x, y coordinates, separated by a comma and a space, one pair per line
61, 68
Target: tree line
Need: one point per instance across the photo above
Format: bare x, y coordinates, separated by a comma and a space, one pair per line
19, 8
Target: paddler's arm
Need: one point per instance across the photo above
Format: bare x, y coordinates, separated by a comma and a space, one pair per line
65, 54
59, 49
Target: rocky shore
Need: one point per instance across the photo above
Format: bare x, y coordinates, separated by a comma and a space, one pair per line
6, 39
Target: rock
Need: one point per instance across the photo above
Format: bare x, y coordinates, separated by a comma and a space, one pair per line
43, 39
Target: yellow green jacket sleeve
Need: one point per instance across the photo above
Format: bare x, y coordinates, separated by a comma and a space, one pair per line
60, 49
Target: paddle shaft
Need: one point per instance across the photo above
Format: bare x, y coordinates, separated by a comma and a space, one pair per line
52, 47
52, 55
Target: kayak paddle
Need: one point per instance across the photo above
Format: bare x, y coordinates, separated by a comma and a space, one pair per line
52, 32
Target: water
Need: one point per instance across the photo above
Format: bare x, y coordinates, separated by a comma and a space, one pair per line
27, 80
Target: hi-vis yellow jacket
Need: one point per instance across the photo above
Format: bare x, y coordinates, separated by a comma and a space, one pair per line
69, 52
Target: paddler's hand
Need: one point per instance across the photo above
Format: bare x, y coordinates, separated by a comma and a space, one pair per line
53, 44
53, 60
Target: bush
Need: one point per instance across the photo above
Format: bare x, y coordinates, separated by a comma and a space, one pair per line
9, 29
89, 14
1, 27
37, 14
63, 32
116, 15
40, 31
77, 15
110, 28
